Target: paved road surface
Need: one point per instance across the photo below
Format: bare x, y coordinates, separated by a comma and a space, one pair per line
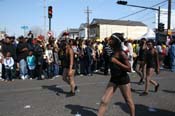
40, 98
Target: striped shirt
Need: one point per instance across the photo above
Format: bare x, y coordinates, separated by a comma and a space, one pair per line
107, 50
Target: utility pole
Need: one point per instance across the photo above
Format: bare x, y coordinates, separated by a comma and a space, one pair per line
88, 26
50, 16
50, 24
158, 18
44, 18
169, 15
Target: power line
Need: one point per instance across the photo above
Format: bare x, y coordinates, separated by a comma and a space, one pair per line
148, 13
141, 10
149, 18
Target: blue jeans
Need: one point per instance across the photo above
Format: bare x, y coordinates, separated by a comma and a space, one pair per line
50, 70
56, 69
173, 65
88, 65
23, 67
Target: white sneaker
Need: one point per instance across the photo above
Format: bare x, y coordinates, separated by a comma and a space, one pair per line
26, 76
56, 76
22, 77
1, 79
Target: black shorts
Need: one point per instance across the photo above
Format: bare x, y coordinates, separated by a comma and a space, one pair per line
120, 80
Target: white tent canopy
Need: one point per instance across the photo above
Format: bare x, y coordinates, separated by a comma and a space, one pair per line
150, 34
173, 30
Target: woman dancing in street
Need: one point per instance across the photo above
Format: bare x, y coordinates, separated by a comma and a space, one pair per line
119, 77
140, 68
69, 67
152, 64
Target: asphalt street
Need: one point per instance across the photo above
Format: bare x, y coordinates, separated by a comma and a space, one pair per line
51, 98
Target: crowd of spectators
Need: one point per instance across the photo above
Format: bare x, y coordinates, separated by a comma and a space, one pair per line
21, 57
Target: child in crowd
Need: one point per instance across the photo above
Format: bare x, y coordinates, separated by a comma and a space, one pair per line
8, 63
50, 60
31, 63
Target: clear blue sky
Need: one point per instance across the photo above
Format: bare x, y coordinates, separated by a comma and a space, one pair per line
69, 13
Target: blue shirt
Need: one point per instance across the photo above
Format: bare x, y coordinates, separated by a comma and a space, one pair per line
31, 62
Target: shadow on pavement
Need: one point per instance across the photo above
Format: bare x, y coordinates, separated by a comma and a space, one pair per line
168, 91
139, 91
142, 110
55, 89
83, 110
134, 82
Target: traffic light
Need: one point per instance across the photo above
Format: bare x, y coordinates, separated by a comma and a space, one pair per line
161, 27
50, 12
122, 2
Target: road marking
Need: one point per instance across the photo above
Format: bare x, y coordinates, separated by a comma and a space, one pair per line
27, 107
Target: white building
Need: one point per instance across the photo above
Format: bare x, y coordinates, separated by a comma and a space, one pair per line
101, 28
83, 31
71, 33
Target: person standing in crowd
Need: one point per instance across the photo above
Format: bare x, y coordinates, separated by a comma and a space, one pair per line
50, 60
140, 67
88, 59
1, 63
76, 50
56, 61
119, 78
100, 60
29, 40
152, 64
172, 55
107, 51
38, 53
30, 35
82, 47
31, 63
160, 54
8, 64
22, 53
130, 54
69, 67
96, 57
9, 46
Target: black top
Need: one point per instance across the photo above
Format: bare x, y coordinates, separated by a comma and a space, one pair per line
116, 70
9, 48
118, 75
66, 61
22, 54
150, 59
141, 54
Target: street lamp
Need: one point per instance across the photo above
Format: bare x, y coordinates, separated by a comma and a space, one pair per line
121, 2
